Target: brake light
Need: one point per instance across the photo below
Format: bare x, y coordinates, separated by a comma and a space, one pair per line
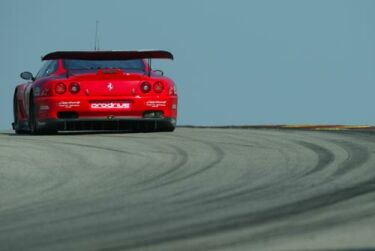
74, 88
60, 88
145, 87
158, 87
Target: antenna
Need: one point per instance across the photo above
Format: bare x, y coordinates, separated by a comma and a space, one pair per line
96, 45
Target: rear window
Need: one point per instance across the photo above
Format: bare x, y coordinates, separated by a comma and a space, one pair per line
134, 65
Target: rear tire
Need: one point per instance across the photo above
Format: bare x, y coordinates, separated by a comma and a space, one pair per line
15, 113
169, 128
32, 120
166, 127
20, 132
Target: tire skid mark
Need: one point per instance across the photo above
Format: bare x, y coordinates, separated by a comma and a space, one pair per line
86, 146
230, 192
46, 180
219, 153
238, 222
74, 154
55, 186
41, 206
179, 137
182, 156
325, 156
226, 196
94, 147
237, 194
224, 193
265, 138
180, 151
293, 229
357, 156
28, 207
182, 221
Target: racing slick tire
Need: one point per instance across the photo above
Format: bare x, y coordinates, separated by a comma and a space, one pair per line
15, 110
167, 128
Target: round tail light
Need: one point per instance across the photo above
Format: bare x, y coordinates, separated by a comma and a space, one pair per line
145, 87
158, 87
74, 88
60, 88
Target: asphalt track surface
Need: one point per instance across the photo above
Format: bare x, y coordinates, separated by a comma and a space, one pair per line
194, 189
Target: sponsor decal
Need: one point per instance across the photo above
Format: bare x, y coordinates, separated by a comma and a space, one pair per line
69, 104
156, 103
111, 105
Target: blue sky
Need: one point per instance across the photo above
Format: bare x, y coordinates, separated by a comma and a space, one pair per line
237, 62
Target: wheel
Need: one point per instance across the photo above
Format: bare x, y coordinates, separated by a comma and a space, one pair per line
32, 120
15, 111
169, 128
20, 132
166, 127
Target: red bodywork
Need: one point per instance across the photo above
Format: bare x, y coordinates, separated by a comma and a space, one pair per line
99, 99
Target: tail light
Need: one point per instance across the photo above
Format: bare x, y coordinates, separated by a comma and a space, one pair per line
60, 88
42, 92
46, 92
74, 88
158, 87
173, 90
146, 87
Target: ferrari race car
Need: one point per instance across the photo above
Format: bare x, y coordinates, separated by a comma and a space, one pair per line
96, 90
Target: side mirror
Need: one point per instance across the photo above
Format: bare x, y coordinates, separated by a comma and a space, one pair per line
27, 75
159, 72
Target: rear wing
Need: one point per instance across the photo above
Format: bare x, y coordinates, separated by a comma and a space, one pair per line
109, 55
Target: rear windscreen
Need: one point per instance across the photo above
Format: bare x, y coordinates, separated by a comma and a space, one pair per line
134, 65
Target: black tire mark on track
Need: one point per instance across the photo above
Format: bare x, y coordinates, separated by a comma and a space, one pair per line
183, 160
219, 157
325, 156
357, 156
85, 146
253, 219
216, 225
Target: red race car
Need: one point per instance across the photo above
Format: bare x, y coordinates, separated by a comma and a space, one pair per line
96, 90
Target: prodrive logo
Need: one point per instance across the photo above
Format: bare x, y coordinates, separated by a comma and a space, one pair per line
111, 105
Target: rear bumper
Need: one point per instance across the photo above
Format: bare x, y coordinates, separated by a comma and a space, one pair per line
51, 107
107, 124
